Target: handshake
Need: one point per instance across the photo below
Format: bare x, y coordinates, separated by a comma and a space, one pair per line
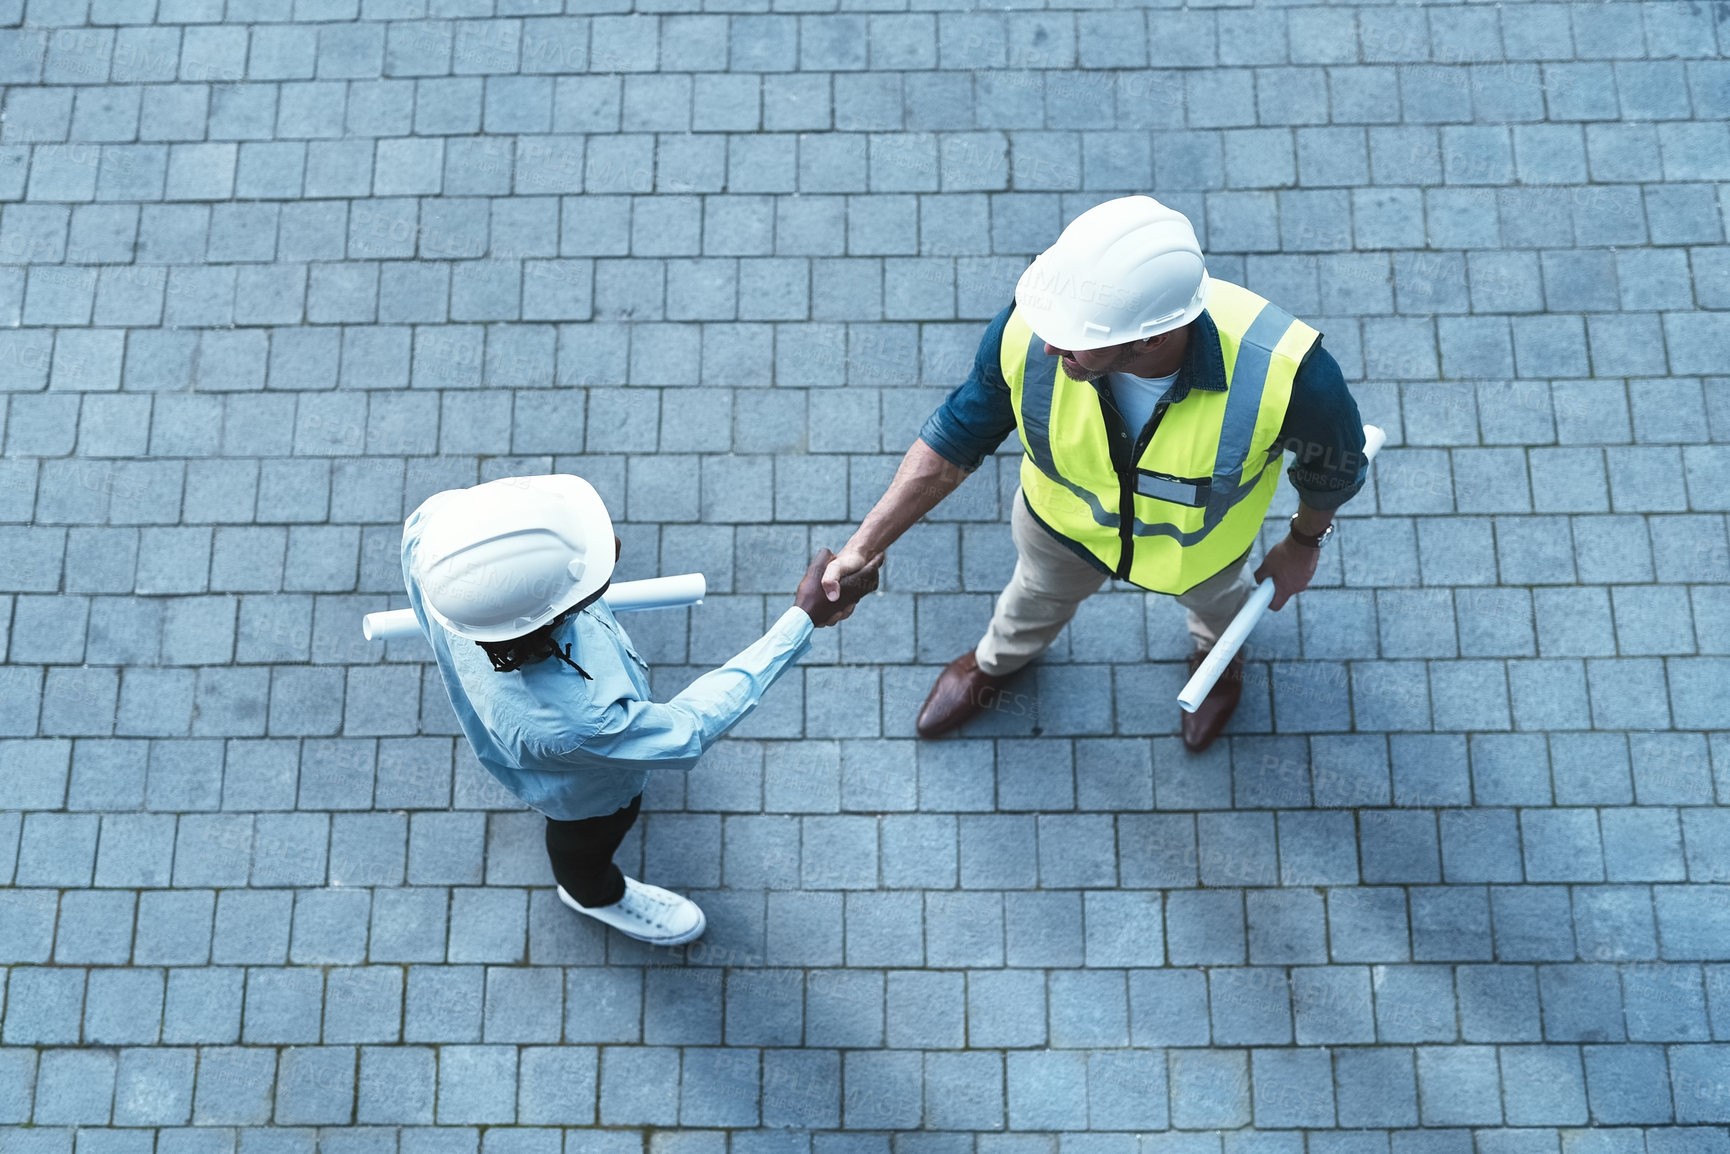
813, 597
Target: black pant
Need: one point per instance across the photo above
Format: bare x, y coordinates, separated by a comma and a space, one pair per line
582, 854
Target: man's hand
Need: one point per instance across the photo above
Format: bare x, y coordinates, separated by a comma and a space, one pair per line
844, 564
814, 599
1292, 566
923, 479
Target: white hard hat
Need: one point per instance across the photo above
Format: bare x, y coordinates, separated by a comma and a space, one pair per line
1123, 270
502, 559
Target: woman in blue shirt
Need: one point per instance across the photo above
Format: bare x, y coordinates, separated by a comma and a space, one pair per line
506, 581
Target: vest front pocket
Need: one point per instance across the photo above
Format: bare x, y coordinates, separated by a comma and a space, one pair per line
1190, 491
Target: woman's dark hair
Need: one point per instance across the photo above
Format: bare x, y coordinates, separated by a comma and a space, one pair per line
510, 656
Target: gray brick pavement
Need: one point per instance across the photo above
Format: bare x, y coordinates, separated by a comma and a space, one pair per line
273, 272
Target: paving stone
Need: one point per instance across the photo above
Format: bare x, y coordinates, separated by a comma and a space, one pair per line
1332, 1004
1457, 1085
1561, 844
1551, 1085
1236, 849
203, 1005
1414, 1003
330, 928
967, 929
1209, 1088
283, 1006
153, 1087
1531, 925
1498, 1004
56, 848
75, 1087
1627, 1083
1399, 846
1693, 1096
45, 1006
1169, 1007
136, 849
1249, 1006
1641, 844
1691, 921
235, 1085
1665, 1003
1450, 923
1124, 1090
1293, 1087
365, 1004
1366, 925
1376, 1086
1549, 694
1006, 1008
445, 1004
30, 918
1581, 1003
1286, 927
1047, 1090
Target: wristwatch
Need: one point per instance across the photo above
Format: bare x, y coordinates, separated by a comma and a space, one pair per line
1305, 538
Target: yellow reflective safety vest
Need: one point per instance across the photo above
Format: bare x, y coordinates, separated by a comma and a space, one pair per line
1200, 486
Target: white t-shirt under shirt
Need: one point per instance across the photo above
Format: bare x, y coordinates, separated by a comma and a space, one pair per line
1137, 397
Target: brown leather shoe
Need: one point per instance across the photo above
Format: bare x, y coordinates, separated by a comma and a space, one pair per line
962, 690
1202, 726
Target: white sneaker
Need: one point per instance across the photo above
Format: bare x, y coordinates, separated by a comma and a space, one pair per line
648, 914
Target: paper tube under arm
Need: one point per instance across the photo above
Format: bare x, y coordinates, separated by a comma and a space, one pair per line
1232, 639
623, 597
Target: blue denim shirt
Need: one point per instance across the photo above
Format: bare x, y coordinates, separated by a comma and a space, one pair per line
575, 747
1322, 428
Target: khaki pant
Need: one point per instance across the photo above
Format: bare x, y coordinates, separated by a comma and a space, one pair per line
1050, 582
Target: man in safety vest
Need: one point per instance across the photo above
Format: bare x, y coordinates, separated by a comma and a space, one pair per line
1153, 403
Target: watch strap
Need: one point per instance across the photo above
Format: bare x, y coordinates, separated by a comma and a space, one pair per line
1305, 539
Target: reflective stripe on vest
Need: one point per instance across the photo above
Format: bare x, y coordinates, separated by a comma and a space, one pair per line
1040, 374
1215, 450
1248, 381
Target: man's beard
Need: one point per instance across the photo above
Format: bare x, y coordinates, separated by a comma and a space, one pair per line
1116, 366
1076, 373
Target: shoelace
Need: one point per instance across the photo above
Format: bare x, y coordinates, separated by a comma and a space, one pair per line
658, 907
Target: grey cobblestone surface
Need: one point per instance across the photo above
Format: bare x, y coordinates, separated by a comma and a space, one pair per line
272, 271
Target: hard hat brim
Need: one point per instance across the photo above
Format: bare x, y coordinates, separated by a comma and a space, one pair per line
1057, 326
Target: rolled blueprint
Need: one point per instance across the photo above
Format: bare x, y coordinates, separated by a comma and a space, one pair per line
1232, 639
623, 597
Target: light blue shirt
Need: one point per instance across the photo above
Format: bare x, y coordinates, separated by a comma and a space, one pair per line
574, 748
1137, 397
